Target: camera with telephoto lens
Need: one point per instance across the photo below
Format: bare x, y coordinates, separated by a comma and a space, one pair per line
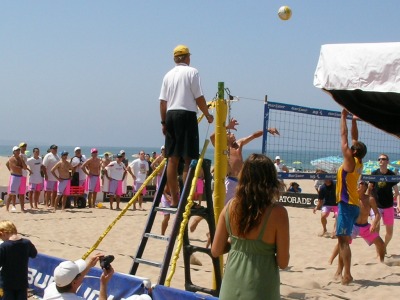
105, 261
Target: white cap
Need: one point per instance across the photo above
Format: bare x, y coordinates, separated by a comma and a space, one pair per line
162, 147
122, 152
139, 297
66, 271
15, 148
278, 157
77, 148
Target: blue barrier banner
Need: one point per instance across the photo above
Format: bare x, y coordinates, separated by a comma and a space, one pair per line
121, 286
161, 292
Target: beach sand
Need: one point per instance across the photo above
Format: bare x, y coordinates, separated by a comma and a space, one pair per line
71, 234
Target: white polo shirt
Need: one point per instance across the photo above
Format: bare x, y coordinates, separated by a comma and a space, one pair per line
181, 87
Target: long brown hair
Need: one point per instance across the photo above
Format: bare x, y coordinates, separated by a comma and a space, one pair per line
257, 189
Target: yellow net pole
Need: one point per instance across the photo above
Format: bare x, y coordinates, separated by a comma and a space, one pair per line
130, 203
220, 159
186, 214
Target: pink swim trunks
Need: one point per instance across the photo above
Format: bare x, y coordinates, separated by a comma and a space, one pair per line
363, 230
64, 187
93, 184
115, 187
36, 187
138, 185
14, 184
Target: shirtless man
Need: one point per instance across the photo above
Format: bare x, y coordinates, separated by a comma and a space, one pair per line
91, 168
63, 168
15, 165
104, 163
235, 160
369, 232
156, 162
50, 182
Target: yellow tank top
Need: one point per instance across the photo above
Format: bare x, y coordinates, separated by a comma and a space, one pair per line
346, 186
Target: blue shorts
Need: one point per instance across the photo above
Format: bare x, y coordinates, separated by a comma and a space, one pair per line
347, 217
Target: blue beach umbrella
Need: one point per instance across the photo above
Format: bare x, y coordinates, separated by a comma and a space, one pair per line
328, 164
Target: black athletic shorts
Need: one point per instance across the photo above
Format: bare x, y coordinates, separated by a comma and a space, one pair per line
182, 134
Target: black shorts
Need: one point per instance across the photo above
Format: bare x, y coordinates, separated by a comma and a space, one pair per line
182, 134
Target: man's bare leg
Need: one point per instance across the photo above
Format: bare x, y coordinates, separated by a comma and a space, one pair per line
36, 199
389, 234
31, 198
335, 253
380, 248
172, 179
118, 200
22, 202
64, 201
94, 197
164, 224
345, 257
323, 222
195, 222
53, 197
9, 200
111, 202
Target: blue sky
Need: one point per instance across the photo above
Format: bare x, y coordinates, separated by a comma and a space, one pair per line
90, 72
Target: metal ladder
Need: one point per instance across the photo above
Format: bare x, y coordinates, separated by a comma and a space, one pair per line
206, 212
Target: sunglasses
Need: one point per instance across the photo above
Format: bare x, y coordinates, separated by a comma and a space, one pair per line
382, 158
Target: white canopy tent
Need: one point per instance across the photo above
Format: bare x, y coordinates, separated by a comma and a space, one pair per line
365, 79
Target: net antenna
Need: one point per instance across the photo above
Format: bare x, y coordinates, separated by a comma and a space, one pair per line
231, 99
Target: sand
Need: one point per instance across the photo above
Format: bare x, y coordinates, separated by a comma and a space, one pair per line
71, 234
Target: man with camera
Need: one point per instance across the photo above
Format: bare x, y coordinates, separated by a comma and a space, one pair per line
69, 275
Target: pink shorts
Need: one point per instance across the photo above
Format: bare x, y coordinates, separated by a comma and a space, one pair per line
387, 215
200, 186
36, 187
328, 209
364, 232
50, 186
137, 187
22, 187
165, 203
115, 187
14, 184
64, 187
93, 184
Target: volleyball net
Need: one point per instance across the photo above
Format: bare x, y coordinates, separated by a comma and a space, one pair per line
309, 141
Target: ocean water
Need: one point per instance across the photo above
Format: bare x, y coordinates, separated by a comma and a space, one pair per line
295, 159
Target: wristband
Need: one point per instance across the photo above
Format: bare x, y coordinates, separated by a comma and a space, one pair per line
163, 122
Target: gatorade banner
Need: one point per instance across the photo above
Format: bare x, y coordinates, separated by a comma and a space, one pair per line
298, 199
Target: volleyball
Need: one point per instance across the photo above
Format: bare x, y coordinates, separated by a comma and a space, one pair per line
1, 202
99, 205
284, 13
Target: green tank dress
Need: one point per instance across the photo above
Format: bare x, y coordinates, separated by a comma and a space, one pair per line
251, 270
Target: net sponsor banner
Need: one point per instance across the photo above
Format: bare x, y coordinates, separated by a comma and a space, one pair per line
121, 286
298, 199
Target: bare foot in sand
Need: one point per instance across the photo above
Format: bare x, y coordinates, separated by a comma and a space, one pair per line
322, 233
337, 277
346, 280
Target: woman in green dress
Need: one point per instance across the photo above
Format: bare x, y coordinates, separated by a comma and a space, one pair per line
255, 231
